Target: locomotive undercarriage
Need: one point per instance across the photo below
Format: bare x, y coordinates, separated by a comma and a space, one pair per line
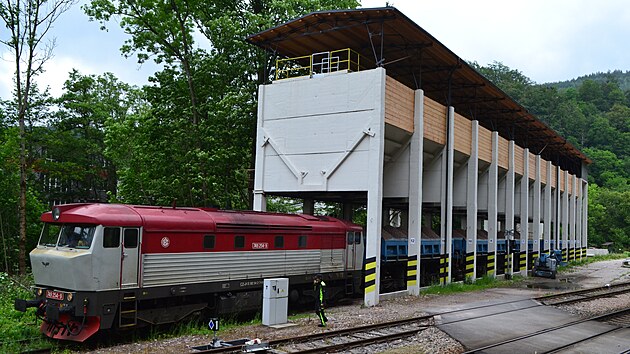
78, 316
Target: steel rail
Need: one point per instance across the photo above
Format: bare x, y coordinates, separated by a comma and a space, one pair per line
600, 318
327, 334
582, 291
588, 297
363, 341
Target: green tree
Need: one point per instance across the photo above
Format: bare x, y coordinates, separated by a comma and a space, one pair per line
593, 114
73, 166
162, 30
9, 201
609, 216
195, 142
27, 22
512, 81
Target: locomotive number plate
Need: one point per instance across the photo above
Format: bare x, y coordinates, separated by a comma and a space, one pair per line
260, 245
55, 295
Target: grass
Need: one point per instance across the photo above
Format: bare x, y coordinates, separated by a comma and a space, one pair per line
589, 260
479, 284
20, 330
489, 282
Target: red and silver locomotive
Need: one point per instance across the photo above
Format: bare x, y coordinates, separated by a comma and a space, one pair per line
102, 266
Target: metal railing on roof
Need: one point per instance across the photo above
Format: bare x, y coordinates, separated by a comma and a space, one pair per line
318, 64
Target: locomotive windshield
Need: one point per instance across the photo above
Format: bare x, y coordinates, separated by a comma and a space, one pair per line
67, 235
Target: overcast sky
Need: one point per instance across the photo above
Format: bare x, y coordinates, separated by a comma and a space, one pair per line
547, 40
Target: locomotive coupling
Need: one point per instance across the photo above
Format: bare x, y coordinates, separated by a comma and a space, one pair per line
53, 312
22, 305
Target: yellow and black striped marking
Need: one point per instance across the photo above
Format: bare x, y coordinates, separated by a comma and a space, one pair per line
522, 261
470, 264
534, 255
490, 264
564, 254
571, 254
370, 274
443, 268
412, 270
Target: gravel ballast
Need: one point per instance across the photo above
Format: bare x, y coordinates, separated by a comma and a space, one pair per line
431, 340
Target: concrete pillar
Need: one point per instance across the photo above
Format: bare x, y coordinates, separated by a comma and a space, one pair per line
347, 210
260, 200
522, 260
374, 221
446, 214
565, 217
572, 214
427, 219
536, 211
578, 222
548, 211
308, 206
557, 219
471, 203
493, 192
509, 203
416, 147
585, 217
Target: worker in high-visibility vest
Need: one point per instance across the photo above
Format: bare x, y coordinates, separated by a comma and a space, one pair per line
319, 287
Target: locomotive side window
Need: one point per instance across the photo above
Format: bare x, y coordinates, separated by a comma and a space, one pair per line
239, 241
302, 241
131, 238
278, 242
111, 237
208, 242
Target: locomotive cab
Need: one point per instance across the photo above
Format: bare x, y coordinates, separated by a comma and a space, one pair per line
64, 249
78, 268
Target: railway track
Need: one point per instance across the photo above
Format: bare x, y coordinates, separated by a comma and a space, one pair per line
584, 294
339, 340
618, 319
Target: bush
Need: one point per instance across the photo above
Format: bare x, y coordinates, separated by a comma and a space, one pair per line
19, 330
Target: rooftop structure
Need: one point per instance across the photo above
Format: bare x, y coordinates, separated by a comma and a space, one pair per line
387, 38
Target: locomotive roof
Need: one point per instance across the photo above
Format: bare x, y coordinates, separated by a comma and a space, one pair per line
155, 218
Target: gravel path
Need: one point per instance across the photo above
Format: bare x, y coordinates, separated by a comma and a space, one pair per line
429, 341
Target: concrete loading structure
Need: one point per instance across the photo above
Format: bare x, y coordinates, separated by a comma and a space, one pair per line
367, 108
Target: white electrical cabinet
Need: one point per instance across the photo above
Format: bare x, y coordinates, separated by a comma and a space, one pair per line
275, 301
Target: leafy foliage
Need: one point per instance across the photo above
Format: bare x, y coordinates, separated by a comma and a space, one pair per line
194, 142
16, 327
593, 113
623, 78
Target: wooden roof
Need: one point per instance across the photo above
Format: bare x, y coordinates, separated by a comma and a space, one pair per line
412, 56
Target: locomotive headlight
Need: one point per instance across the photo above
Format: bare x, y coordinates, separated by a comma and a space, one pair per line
69, 297
56, 213
39, 291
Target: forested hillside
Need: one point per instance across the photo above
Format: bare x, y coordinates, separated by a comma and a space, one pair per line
188, 136
623, 78
594, 115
